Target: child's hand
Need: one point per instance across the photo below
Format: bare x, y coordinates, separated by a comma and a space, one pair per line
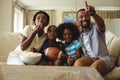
63, 57
70, 60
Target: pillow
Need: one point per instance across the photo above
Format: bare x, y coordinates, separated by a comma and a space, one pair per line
114, 49
8, 42
109, 36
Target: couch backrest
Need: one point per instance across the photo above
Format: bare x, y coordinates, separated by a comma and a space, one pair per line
113, 45
8, 42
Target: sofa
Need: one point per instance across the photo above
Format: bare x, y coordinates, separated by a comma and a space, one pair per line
9, 41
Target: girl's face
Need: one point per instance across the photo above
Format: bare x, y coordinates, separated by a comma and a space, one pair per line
41, 19
52, 33
67, 36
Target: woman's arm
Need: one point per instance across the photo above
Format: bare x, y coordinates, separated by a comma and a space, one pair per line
26, 42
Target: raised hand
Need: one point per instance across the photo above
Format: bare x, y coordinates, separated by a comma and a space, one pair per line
89, 9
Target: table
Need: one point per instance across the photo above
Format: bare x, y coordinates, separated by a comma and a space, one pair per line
32, 72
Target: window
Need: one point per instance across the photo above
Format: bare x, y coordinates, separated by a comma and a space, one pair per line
18, 20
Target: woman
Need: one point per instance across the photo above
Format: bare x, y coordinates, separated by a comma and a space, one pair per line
31, 38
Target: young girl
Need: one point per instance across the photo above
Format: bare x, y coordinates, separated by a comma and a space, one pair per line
69, 33
50, 42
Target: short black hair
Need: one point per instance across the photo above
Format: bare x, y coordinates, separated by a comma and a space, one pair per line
72, 27
79, 11
41, 12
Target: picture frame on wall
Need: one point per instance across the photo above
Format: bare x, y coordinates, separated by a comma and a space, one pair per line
69, 16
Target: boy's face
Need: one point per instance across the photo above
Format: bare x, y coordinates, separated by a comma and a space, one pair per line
67, 36
52, 33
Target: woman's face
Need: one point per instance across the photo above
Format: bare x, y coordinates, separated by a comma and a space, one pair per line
41, 19
52, 33
67, 36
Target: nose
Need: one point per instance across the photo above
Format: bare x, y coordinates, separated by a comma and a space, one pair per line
40, 19
84, 17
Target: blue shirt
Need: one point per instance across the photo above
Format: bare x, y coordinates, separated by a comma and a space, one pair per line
71, 48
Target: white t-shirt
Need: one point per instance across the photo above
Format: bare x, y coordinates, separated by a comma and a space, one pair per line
37, 41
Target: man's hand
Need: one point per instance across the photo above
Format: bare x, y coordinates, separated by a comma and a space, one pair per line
89, 9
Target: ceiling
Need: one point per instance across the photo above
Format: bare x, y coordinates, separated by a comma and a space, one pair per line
58, 4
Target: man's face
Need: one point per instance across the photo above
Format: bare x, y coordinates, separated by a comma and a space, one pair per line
84, 19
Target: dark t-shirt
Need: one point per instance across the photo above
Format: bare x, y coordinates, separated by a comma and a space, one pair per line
46, 45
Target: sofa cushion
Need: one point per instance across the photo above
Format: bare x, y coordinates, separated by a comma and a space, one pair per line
113, 45
8, 42
109, 36
113, 75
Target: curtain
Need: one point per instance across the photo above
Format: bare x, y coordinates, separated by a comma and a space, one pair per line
107, 14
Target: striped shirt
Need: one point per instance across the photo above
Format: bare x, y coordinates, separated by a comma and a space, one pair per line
71, 48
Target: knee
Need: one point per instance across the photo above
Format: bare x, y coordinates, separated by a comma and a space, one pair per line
100, 66
78, 62
85, 61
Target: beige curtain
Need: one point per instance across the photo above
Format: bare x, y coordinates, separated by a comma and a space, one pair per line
113, 14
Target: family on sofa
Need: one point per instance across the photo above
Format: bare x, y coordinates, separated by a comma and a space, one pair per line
87, 50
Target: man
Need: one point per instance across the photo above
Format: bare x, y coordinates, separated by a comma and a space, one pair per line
93, 40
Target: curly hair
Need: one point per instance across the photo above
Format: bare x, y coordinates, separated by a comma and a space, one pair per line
41, 12
72, 27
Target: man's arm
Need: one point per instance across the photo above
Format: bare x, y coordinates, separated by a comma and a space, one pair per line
99, 22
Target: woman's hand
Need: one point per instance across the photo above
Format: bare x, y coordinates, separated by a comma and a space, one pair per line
38, 28
33, 49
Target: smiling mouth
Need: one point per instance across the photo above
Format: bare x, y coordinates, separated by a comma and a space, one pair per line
85, 23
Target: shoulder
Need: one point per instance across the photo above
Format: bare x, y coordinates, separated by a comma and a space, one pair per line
29, 27
27, 30
76, 41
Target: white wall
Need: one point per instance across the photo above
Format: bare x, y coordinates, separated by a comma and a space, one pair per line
113, 25
6, 15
